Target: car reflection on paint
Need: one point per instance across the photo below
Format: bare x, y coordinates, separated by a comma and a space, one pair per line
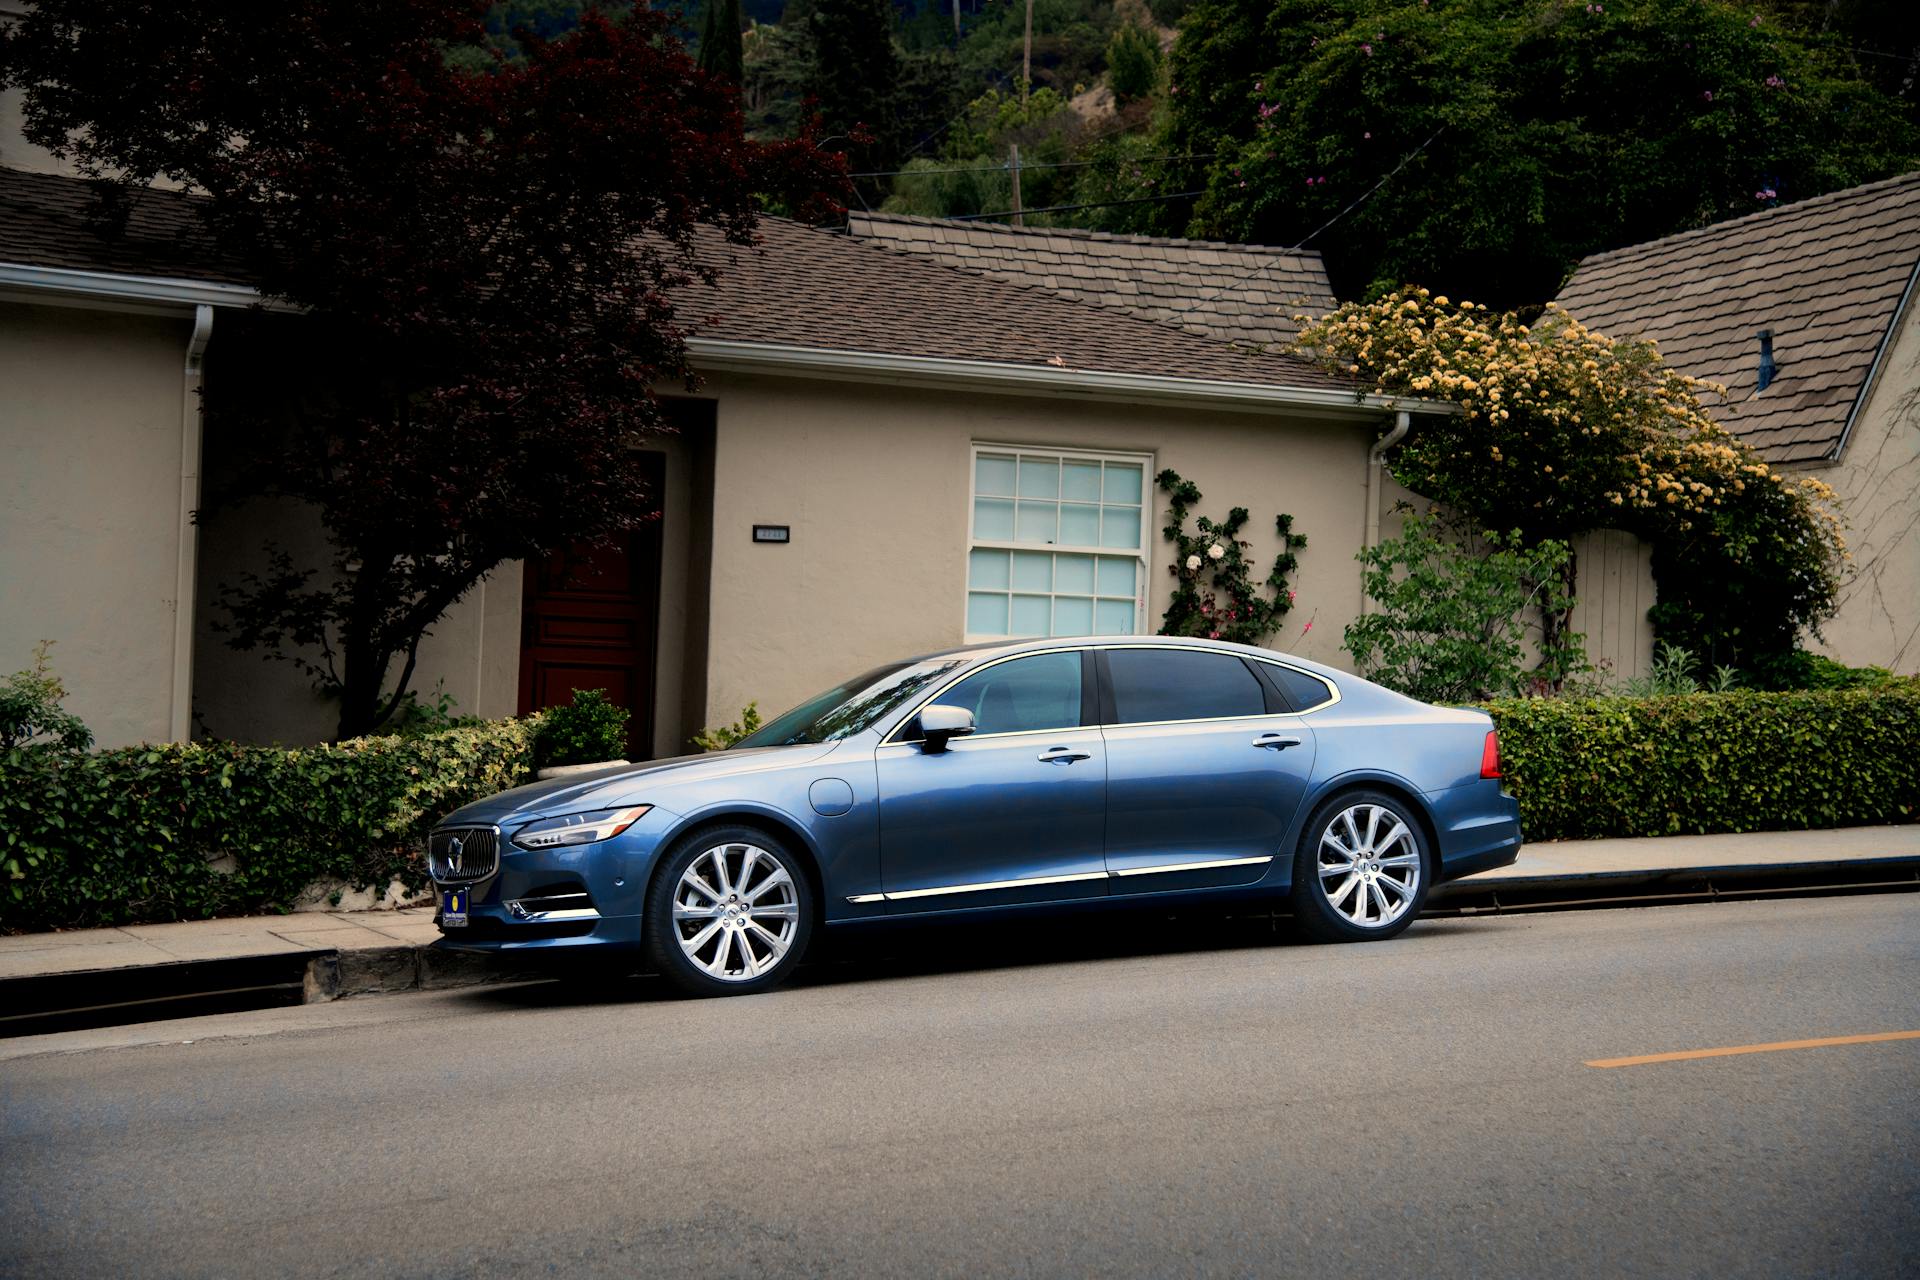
1029, 777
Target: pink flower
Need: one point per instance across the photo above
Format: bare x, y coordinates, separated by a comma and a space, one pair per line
1755, 21
1213, 635
1706, 95
1367, 136
1258, 85
1367, 49
1308, 627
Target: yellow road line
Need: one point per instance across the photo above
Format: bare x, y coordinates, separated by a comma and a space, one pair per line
1689, 1054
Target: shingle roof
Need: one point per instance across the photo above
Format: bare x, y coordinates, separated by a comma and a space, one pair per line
821, 289
48, 220
1233, 292
1826, 275
800, 287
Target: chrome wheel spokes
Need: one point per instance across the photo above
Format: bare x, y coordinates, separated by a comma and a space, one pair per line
1369, 865
735, 911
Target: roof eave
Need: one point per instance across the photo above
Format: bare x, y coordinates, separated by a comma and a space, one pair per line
713, 355
115, 291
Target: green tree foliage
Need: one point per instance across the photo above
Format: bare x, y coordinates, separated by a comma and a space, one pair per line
31, 714
721, 52
1133, 63
1211, 564
854, 81
1069, 44
973, 173
1449, 623
1545, 129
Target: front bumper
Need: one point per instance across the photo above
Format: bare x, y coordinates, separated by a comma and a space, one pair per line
599, 891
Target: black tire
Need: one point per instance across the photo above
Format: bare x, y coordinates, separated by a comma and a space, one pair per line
1315, 894
695, 975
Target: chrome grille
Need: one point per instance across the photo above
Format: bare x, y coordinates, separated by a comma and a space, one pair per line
463, 853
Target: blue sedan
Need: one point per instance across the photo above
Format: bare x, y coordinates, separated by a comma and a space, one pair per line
1034, 776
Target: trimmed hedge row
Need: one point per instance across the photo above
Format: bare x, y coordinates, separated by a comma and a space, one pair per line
188, 831
1709, 762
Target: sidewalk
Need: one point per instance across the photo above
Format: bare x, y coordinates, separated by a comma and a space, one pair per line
94, 976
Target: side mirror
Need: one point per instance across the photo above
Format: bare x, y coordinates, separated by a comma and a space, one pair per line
938, 724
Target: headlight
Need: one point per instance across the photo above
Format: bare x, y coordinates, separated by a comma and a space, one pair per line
578, 828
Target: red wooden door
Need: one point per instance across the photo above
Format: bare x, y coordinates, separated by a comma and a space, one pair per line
588, 621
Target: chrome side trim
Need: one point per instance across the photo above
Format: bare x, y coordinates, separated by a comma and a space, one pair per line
1191, 866
525, 916
983, 887
863, 898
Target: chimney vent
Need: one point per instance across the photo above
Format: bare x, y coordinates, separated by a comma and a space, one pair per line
1767, 367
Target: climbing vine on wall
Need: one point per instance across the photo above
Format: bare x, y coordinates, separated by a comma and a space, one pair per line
1214, 594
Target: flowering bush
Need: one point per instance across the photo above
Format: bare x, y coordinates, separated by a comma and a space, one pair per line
1563, 429
1213, 563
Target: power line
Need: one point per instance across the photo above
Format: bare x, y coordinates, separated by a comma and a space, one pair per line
1360, 200
1064, 208
1001, 168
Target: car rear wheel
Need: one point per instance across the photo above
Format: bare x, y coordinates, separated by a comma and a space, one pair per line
730, 913
1362, 870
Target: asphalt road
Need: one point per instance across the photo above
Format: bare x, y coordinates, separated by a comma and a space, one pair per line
1198, 1098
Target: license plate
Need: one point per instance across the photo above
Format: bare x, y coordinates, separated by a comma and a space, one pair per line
453, 907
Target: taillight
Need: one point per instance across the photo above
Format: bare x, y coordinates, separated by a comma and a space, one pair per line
1490, 757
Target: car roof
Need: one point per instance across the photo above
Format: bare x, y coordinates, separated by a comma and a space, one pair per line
1001, 648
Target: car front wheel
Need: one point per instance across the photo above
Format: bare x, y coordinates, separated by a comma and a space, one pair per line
730, 913
1362, 869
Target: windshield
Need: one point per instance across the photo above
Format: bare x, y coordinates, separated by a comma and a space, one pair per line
851, 706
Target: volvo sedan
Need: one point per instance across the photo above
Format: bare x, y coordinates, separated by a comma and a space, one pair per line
1029, 777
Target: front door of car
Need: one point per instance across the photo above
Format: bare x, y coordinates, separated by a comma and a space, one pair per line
1014, 812
1204, 775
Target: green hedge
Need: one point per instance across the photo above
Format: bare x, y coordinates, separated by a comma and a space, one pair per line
1712, 761
187, 831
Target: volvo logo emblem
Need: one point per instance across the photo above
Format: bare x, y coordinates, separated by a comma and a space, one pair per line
456, 851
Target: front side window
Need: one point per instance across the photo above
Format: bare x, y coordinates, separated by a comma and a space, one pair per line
1151, 685
1022, 695
1058, 544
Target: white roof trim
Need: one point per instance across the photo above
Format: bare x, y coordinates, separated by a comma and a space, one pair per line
711, 355
109, 289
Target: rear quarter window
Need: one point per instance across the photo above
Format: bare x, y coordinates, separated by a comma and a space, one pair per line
1304, 691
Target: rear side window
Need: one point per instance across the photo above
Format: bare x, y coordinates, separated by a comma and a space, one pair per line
1021, 696
1170, 684
1304, 691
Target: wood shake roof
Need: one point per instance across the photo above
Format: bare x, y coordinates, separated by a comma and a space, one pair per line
1827, 276
1231, 292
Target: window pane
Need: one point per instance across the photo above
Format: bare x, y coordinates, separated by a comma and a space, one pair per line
993, 474
1075, 574
1036, 522
993, 519
1072, 616
1113, 618
1118, 577
1123, 482
1032, 616
1303, 690
1080, 481
987, 569
1032, 571
1165, 684
986, 614
1120, 526
1040, 692
1039, 479
1079, 525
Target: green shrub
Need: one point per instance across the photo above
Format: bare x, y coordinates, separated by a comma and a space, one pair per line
191, 830
1712, 761
1133, 63
724, 736
590, 730
1799, 669
30, 710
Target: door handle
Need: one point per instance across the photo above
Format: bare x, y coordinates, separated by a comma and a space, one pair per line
1061, 755
1275, 742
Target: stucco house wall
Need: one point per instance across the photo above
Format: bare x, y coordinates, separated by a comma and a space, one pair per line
1878, 481
91, 406
875, 483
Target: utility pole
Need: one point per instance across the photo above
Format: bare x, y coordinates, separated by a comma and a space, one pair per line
1026, 58
956, 21
1018, 219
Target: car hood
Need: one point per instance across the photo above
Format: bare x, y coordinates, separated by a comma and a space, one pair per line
624, 784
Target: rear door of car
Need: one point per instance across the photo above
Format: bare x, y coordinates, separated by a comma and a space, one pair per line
1206, 768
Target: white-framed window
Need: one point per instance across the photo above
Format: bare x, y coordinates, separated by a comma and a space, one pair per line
1057, 542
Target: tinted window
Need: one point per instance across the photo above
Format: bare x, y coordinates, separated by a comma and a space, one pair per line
1041, 692
1303, 690
848, 708
1167, 684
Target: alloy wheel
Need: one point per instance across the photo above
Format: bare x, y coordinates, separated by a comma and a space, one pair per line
1369, 864
735, 912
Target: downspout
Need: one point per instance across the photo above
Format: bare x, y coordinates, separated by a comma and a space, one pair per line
180, 728
1377, 463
